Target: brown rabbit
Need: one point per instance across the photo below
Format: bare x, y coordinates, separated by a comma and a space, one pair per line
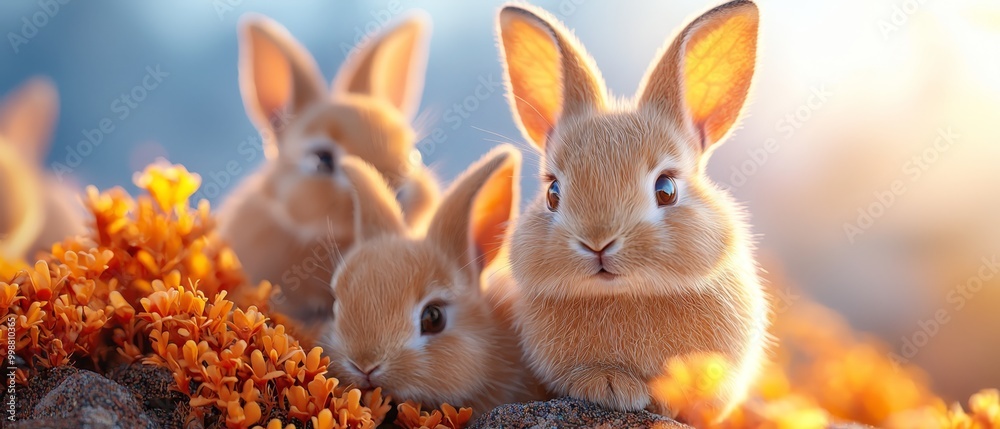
410, 315
280, 220
631, 256
37, 210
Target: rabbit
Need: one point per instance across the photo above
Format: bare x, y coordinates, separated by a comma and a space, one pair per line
409, 312
630, 256
38, 210
280, 219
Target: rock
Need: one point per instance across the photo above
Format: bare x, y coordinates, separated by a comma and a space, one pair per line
155, 389
566, 412
41, 384
88, 400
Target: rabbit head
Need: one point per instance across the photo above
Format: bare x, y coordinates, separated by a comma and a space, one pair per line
625, 204
409, 313
308, 127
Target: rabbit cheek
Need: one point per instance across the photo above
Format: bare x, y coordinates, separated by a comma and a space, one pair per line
699, 240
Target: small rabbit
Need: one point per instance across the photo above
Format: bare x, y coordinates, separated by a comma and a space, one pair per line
631, 256
409, 313
280, 220
37, 210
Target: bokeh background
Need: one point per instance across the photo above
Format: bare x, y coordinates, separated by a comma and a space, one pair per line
869, 158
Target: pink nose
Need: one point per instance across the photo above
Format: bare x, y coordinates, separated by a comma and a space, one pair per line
595, 250
367, 373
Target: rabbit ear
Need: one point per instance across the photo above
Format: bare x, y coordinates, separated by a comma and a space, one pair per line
391, 66
705, 74
28, 116
22, 214
376, 212
549, 75
278, 77
472, 221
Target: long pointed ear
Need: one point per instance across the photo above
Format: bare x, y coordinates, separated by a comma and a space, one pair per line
28, 116
549, 75
471, 223
704, 75
376, 212
22, 214
278, 77
391, 66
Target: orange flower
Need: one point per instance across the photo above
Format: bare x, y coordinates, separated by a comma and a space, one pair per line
411, 417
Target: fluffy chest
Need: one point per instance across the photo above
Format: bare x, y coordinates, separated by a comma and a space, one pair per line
635, 333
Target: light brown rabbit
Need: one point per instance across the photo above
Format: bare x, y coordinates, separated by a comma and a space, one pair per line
410, 315
36, 210
280, 220
631, 256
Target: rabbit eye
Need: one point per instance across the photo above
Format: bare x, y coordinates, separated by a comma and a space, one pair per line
324, 161
666, 191
432, 320
552, 196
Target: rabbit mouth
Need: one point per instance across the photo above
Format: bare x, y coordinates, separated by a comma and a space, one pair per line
604, 274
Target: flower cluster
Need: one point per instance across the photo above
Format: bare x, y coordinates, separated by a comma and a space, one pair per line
90, 285
150, 282
235, 360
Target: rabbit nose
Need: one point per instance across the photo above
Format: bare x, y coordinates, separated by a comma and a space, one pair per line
597, 250
367, 370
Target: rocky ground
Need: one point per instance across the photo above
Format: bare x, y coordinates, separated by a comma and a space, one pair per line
567, 412
139, 396
135, 396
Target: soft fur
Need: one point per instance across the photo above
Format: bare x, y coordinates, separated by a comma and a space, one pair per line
392, 273
685, 281
37, 209
289, 213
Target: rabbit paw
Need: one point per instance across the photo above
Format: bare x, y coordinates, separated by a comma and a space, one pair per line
610, 388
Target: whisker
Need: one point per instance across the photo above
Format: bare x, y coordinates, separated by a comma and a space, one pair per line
540, 115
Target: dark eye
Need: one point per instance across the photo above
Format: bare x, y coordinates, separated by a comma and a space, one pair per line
666, 191
432, 320
552, 196
324, 161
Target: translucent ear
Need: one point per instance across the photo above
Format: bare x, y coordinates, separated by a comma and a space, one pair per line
549, 75
376, 212
22, 215
278, 77
391, 66
704, 75
28, 117
471, 223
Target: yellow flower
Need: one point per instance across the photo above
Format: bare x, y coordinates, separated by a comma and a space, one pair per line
171, 186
